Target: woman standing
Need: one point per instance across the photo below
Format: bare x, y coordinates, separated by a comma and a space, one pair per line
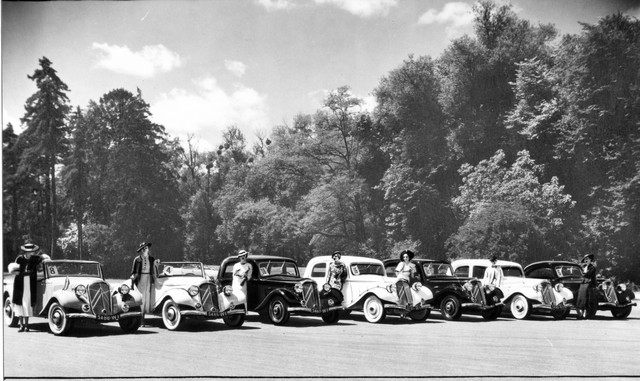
143, 275
586, 305
405, 271
337, 271
24, 284
242, 272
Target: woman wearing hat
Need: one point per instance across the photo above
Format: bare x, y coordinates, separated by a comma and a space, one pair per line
337, 271
586, 305
242, 272
24, 284
405, 271
143, 275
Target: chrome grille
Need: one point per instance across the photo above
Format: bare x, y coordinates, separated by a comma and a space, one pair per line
610, 293
548, 296
477, 293
209, 296
100, 299
310, 296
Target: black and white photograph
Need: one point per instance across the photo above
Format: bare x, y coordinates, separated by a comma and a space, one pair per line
320, 189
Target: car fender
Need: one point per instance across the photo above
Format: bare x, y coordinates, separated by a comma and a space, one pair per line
288, 296
565, 293
236, 298
423, 294
531, 295
66, 299
178, 295
380, 293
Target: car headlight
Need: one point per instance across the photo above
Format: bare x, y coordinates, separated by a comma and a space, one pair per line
326, 287
559, 287
417, 286
80, 290
537, 288
467, 286
622, 287
193, 290
125, 307
331, 302
391, 288
298, 288
124, 289
227, 290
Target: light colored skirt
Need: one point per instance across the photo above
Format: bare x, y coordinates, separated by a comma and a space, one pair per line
25, 309
146, 289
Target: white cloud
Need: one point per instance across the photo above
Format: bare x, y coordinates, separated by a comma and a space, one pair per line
458, 17
317, 98
276, 5
237, 68
363, 8
7, 118
145, 63
633, 12
206, 113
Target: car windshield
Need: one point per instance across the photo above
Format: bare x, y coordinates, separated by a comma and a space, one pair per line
366, 269
512, 271
437, 268
73, 269
568, 271
171, 269
278, 267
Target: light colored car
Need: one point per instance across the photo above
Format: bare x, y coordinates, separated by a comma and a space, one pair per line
184, 290
524, 296
368, 289
71, 290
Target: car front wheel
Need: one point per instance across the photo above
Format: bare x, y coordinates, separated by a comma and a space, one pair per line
621, 313
492, 314
520, 307
420, 315
58, 321
560, 313
373, 309
10, 318
278, 311
234, 320
450, 308
171, 317
130, 324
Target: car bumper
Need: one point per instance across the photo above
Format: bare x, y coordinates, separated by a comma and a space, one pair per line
608, 306
481, 306
320, 311
407, 308
549, 307
105, 318
212, 314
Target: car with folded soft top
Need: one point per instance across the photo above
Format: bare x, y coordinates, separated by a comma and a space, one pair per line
71, 290
366, 288
453, 295
612, 296
183, 290
524, 296
276, 290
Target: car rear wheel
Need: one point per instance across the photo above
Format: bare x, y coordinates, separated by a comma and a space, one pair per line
420, 315
450, 308
130, 324
171, 317
621, 313
278, 311
10, 318
492, 314
234, 320
59, 324
373, 309
520, 307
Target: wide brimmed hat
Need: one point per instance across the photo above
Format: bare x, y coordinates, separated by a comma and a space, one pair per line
590, 256
242, 252
408, 252
338, 253
143, 245
29, 247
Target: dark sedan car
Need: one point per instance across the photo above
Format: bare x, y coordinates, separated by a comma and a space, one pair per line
611, 297
276, 290
451, 294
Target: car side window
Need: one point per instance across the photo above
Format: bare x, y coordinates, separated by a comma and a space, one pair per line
390, 270
462, 271
319, 270
543, 273
478, 271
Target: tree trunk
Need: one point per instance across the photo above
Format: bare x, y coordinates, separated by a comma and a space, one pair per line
53, 206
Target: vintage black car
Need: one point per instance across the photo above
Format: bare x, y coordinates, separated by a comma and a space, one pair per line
276, 290
611, 297
453, 295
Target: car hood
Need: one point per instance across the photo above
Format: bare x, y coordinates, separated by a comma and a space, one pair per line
285, 279
182, 281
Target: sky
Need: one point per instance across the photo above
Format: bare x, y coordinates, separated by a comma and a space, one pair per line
206, 65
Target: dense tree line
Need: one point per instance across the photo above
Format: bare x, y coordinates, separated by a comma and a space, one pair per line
515, 141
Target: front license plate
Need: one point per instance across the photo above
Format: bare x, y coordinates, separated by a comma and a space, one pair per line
108, 317
212, 313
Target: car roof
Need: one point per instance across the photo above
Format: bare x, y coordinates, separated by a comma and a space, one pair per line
259, 257
419, 260
483, 262
343, 258
550, 263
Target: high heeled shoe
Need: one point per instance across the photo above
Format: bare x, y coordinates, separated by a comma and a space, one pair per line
22, 328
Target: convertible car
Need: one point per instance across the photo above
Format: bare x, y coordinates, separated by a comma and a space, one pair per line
613, 297
70, 290
367, 289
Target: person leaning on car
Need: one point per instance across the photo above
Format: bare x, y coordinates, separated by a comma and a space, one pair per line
493, 275
586, 304
405, 271
143, 275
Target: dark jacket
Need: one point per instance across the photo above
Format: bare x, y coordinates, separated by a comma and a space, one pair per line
27, 267
589, 276
136, 269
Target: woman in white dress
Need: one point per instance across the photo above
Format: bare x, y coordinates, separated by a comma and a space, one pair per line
241, 274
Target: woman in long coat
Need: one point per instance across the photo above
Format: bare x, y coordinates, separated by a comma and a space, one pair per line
143, 275
24, 284
587, 304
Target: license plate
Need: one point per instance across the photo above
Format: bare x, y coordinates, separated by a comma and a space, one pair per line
212, 313
108, 317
